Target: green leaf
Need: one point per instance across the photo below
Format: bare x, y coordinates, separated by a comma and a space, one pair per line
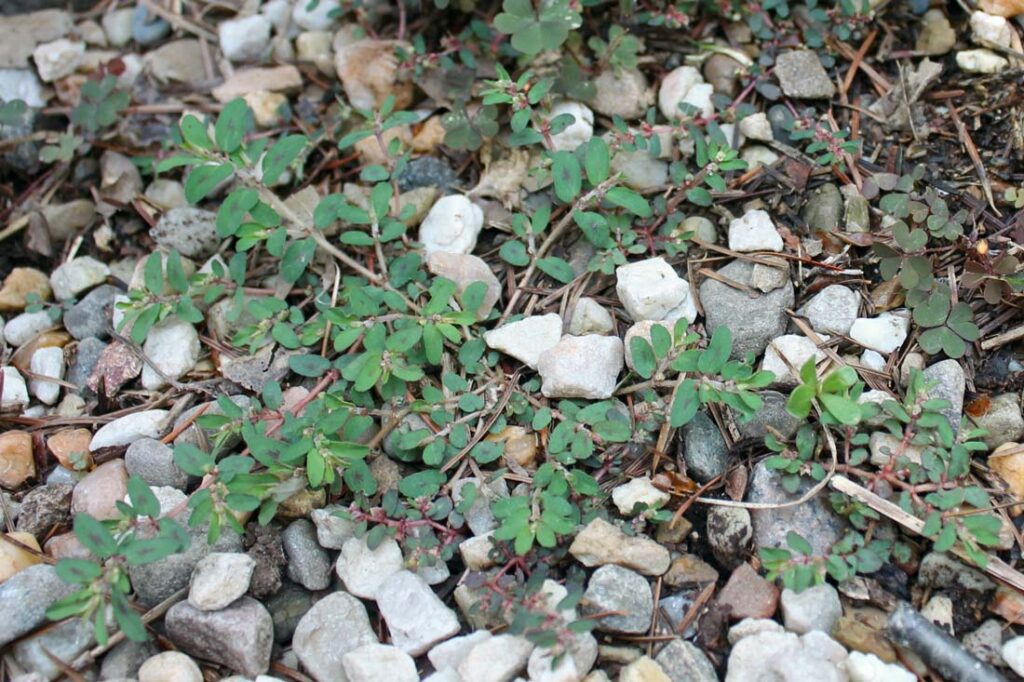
95, 536
798, 544
799, 403
281, 156
176, 274
613, 431
699, 196
232, 212
78, 570
192, 460
422, 484
845, 410
204, 179
232, 125
557, 269
142, 498
153, 273
946, 539
309, 365
127, 619
596, 161
629, 200
149, 550
685, 404
514, 253
565, 173
643, 358
714, 357
193, 131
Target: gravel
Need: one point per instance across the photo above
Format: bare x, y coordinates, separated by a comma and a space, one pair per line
239, 636
308, 564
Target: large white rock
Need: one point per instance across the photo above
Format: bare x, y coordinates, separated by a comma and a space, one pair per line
319, 18
796, 350
578, 132
118, 26
57, 59
129, 428
590, 317
1013, 654
47, 362
335, 625
76, 276
651, 290
832, 310
173, 347
757, 127
870, 668
23, 328
15, 393
884, 333
638, 490
452, 225
170, 665
364, 570
379, 663
981, 60
991, 29
21, 84
755, 231
496, 658
415, 616
449, 654
699, 97
582, 367
674, 88
219, 579
527, 339
244, 39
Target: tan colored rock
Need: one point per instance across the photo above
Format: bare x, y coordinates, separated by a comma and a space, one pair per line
178, 60
19, 284
14, 559
98, 493
1002, 8
520, 445
369, 70
277, 79
19, 35
22, 357
429, 136
71, 448
268, 108
66, 546
1008, 461
16, 462
370, 150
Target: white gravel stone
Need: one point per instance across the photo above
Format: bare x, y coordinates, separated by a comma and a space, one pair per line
870, 668
832, 310
449, 654
476, 551
758, 155
15, 395
415, 616
981, 61
816, 608
335, 625
319, 18
757, 127
674, 88
699, 97
652, 290
578, 132
129, 428
76, 276
47, 362
452, 225
57, 59
118, 26
884, 333
332, 531
872, 360
219, 579
1013, 654
991, 29
590, 317
170, 666
496, 659
244, 39
173, 346
379, 663
23, 328
21, 84
527, 339
364, 570
755, 231
796, 349
638, 490
582, 367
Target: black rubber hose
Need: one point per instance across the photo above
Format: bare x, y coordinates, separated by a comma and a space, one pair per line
937, 648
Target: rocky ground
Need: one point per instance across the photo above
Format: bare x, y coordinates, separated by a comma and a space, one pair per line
685, 352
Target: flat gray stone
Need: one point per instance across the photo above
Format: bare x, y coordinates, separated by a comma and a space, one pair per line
754, 322
239, 637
